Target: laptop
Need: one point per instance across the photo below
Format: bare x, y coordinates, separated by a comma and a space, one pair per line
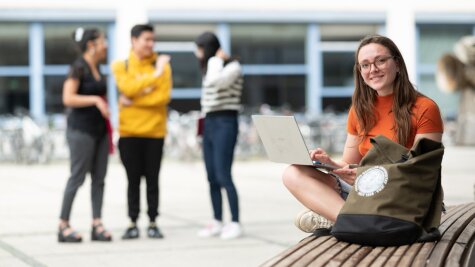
283, 141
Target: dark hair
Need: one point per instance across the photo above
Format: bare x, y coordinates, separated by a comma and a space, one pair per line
210, 44
82, 36
138, 29
404, 93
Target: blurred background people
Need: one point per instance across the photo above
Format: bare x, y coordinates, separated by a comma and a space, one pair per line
84, 93
145, 82
220, 103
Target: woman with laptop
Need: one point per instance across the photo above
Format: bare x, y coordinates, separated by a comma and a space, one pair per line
384, 103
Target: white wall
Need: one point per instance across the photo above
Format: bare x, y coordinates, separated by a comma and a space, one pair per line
128, 14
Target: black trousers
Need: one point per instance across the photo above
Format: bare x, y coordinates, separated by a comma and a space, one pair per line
142, 157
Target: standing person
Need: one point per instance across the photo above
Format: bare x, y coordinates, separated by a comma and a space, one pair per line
220, 102
384, 102
84, 92
144, 81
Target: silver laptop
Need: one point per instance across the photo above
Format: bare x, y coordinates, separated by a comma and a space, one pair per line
283, 141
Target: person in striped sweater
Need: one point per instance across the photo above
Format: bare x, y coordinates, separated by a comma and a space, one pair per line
220, 103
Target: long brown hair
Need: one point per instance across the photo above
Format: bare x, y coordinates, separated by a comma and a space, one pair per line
404, 94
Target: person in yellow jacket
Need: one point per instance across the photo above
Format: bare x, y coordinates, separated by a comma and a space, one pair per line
144, 82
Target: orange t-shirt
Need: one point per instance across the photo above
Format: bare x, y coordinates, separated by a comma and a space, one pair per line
425, 119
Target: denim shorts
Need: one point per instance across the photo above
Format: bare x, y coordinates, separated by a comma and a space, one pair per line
344, 187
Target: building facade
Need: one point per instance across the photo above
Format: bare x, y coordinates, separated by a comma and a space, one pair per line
295, 54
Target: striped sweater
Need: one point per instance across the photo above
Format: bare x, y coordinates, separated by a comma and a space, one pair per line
222, 86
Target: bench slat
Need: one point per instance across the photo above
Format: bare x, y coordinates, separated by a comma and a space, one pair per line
456, 248
343, 256
470, 255
384, 257
334, 250
316, 252
451, 216
358, 256
397, 255
370, 257
410, 255
288, 251
297, 254
443, 247
421, 258
447, 221
455, 257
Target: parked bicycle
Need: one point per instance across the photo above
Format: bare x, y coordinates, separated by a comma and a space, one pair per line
22, 140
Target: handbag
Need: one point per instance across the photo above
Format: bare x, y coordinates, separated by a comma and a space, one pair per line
200, 126
397, 197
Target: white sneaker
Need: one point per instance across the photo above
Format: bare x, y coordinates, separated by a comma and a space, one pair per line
211, 229
231, 230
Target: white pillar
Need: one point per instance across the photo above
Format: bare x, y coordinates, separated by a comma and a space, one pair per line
313, 54
128, 14
37, 95
224, 35
111, 86
401, 28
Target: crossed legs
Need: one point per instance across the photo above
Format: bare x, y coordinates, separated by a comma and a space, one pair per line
314, 189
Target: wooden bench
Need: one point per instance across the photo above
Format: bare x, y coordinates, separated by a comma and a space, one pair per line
455, 248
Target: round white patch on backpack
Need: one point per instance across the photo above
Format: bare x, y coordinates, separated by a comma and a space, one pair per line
371, 181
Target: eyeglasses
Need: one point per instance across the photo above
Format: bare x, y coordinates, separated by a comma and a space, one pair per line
379, 63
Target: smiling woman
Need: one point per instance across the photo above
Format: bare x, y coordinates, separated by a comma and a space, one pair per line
384, 103
84, 91
381, 76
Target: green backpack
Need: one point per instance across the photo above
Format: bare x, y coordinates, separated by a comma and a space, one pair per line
397, 196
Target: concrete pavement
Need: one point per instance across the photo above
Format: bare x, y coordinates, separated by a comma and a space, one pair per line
30, 199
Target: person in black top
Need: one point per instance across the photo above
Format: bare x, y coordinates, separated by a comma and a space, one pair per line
84, 92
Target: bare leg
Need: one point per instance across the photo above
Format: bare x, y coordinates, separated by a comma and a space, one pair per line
314, 189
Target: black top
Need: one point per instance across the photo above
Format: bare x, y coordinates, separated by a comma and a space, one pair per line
87, 119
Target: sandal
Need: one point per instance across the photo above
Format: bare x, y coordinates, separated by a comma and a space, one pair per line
100, 236
70, 238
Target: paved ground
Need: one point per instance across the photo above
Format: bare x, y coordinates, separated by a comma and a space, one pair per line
30, 200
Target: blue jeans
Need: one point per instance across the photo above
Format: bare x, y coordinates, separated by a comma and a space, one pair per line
219, 140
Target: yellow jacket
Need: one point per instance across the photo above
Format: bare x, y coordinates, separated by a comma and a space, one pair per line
147, 115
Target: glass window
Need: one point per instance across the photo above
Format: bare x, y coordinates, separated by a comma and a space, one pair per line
338, 68
165, 32
177, 40
185, 105
14, 44
269, 44
14, 94
185, 70
275, 90
336, 104
346, 32
59, 45
448, 103
54, 94
436, 40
